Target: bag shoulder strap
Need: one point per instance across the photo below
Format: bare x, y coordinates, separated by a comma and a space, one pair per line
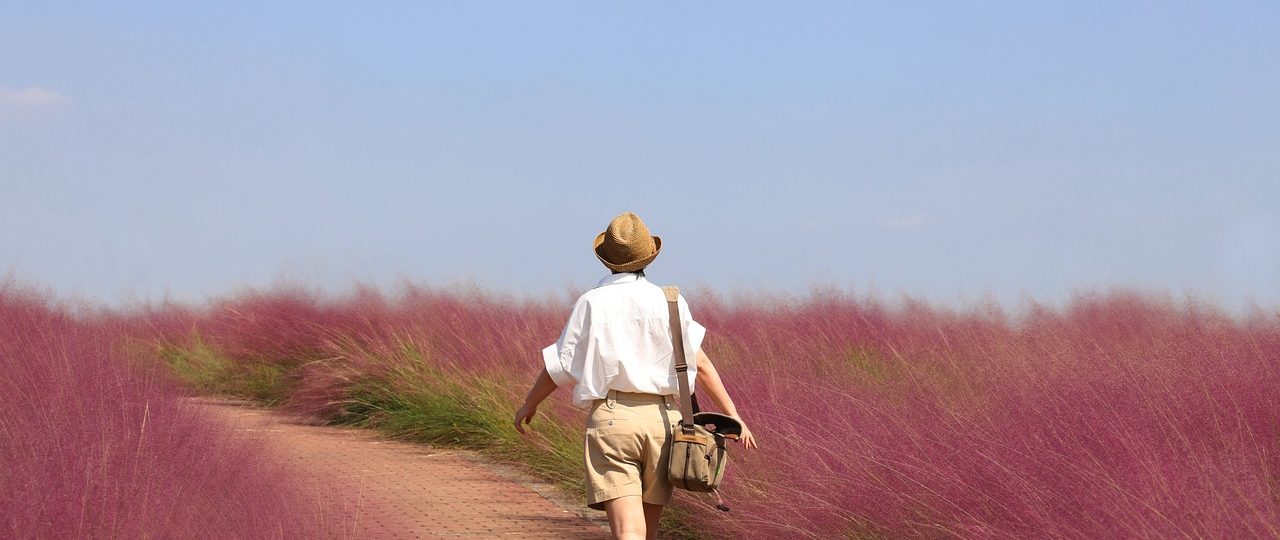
681, 365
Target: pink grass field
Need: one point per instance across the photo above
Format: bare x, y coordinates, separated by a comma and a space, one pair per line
95, 446
1121, 415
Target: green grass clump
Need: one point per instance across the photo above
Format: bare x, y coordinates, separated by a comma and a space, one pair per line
207, 370
421, 403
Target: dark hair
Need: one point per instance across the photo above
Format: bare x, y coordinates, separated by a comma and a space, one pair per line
640, 271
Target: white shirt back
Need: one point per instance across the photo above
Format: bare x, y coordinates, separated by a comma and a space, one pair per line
618, 338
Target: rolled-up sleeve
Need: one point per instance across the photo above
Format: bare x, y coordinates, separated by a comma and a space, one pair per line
559, 357
694, 332
555, 368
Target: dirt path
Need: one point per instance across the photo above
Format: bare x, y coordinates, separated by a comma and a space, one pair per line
391, 489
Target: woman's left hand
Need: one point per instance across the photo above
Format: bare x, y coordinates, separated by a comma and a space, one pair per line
525, 415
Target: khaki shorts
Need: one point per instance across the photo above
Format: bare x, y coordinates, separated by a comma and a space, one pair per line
626, 450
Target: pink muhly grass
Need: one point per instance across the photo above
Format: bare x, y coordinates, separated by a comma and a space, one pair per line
94, 445
1120, 415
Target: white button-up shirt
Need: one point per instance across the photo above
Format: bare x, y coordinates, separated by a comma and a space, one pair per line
618, 338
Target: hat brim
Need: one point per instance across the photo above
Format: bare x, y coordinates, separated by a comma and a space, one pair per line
628, 266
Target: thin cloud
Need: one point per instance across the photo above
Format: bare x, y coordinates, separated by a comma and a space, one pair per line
31, 96
914, 220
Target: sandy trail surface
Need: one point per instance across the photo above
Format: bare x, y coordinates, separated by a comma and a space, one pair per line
387, 489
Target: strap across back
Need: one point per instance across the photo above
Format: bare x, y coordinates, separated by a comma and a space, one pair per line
681, 366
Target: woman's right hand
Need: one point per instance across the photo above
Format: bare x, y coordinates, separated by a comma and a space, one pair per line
747, 440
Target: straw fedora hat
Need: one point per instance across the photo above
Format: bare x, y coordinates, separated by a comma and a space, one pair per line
627, 246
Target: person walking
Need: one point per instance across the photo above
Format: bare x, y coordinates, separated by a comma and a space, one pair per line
616, 354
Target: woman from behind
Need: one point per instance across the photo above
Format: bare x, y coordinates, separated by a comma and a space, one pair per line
616, 354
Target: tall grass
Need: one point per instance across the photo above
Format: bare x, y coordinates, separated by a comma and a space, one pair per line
95, 446
1120, 415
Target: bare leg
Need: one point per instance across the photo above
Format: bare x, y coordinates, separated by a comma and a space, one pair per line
652, 513
627, 517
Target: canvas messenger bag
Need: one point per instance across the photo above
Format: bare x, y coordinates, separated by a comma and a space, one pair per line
698, 455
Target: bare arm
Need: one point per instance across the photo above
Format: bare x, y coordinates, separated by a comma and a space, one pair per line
708, 381
543, 386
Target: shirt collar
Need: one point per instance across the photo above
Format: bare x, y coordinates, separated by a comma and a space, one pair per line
625, 277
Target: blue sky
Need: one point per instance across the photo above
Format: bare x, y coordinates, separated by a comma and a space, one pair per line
939, 150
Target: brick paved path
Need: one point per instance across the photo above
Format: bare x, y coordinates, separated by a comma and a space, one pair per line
390, 489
